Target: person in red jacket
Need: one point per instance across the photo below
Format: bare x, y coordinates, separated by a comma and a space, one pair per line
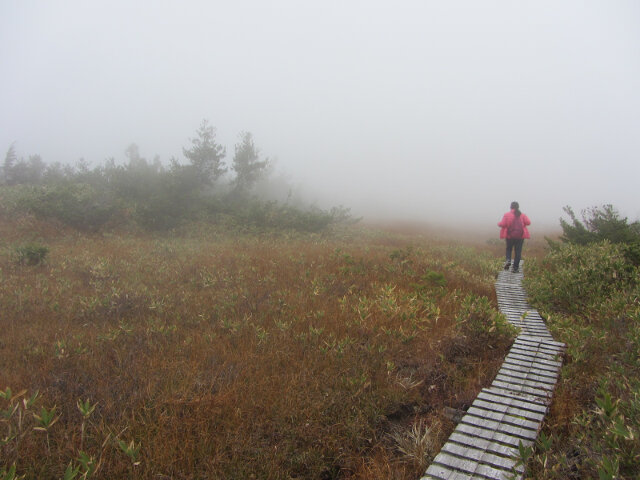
513, 228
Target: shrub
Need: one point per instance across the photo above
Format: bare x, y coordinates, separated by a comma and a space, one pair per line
603, 223
588, 287
271, 214
479, 319
31, 254
576, 278
81, 206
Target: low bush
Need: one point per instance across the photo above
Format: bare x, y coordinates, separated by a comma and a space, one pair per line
78, 205
479, 319
31, 254
575, 279
599, 224
589, 293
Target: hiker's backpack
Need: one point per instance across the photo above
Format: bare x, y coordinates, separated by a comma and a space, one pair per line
516, 229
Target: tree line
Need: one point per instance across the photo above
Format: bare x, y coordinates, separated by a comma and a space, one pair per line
158, 197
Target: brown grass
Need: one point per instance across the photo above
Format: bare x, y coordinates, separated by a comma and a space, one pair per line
237, 356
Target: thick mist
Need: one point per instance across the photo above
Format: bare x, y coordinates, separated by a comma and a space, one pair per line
442, 112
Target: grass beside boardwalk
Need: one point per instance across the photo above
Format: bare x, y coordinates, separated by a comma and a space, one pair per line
590, 295
208, 354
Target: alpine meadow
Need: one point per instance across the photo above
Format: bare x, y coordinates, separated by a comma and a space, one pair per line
320, 240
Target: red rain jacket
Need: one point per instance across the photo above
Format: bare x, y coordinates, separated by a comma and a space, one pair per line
510, 217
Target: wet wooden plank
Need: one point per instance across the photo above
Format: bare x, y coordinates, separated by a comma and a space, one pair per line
534, 362
522, 388
506, 463
522, 433
558, 344
491, 435
534, 359
442, 472
529, 378
508, 367
471, 467
509, 410
501, 397
533, 351
503, 417
554, 369
482, 444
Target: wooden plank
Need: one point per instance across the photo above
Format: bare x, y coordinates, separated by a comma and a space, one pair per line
478, 470
492, 435
538, 347
480, 456
522, 388
526, 376
558, 344
442, 472
533, 364
532, 368
529, 350
533, 330
529, 321
520, 369
514, 412
501, 397
542, 333
534, 359
515, 431
483, 444
547, 344
519, 384
536, 329
503, 417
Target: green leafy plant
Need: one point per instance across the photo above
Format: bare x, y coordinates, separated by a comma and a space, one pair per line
71, 472
524, 454
131, 449
86, 409
31, 254
88, 463
10, 474
477, 316
46, 420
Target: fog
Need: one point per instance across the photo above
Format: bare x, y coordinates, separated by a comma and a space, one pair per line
436, 111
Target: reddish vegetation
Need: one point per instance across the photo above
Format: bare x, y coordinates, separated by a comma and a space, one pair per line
239, 356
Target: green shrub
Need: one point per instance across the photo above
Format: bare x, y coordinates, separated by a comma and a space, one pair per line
599, 224
434, 278
79, 205
588, 288
31, 254
478, 318
577, 278
271, 214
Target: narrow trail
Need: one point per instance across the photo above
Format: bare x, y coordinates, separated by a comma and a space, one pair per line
485, 442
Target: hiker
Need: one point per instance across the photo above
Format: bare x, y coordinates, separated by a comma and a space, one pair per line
513, 228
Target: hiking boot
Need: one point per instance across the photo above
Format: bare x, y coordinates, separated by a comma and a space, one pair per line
507, 265
515, 270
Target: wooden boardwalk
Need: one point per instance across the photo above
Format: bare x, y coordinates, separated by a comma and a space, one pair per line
485, 442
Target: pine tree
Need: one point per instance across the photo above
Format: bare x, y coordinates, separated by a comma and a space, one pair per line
246, 165
206, 155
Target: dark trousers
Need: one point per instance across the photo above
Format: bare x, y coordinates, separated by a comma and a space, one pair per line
514, 244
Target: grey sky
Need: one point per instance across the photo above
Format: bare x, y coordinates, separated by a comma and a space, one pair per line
418, 109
